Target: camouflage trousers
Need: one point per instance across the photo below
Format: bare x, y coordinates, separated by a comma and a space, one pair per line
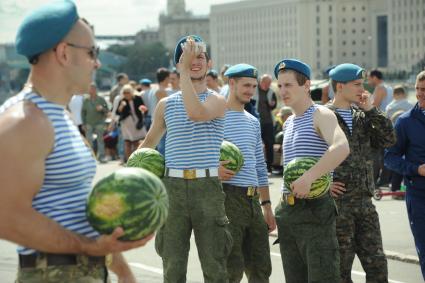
251, 251
307, 237
358, 232
196, 205
81, 272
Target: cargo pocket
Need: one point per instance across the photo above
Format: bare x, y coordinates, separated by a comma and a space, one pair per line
223, 240
159, 242
324, 261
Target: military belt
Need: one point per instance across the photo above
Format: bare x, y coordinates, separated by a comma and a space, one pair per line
250, 191
289, 199
190, 174
30, 261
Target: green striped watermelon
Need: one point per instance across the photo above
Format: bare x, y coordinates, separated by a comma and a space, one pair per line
132, 198
231, 152
149, 159
296, 168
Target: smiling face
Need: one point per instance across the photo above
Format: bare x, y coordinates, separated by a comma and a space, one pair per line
243, 88
199, 67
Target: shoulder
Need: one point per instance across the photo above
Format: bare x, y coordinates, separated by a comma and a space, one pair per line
23, 124
324, 111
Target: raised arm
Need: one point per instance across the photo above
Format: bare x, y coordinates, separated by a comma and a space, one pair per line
215, 105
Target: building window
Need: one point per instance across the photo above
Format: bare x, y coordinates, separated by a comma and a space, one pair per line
344, 42
353, 8
353, 31
330, 8
344, 54
363, 8
343, 9
330, 30
363, 42
317, 20
363, 30
318, 53
343, 31
363, 53
343, 20
354, 54
318, 42
353, 20
330, 41
318, 31
354, 42
363, 19
318, 8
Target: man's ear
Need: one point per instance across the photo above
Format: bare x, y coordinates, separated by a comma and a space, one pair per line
61, 53
308, 85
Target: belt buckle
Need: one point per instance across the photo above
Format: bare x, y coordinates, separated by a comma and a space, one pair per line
189, 174
250, 191
288, 199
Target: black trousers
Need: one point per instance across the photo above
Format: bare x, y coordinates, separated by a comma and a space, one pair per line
267, 135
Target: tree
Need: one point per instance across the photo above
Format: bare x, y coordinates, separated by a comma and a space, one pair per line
143, 60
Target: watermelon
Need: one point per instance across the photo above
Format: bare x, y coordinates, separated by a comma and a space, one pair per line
149, 159
231, 152
131, 198
296, 168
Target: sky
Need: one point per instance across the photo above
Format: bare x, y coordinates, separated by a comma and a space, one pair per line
109, 17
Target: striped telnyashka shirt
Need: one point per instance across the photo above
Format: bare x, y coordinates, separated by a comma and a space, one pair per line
189, 144
69, 170
347, 116
300, 138
243, 129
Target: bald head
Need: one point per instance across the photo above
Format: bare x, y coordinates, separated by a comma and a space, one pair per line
265, 81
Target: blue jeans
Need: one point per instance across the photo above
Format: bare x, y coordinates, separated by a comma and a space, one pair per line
98, 129
415, 210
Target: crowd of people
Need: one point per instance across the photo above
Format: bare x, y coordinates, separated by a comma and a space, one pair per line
186, 115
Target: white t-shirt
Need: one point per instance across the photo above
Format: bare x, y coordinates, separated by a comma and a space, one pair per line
75, 106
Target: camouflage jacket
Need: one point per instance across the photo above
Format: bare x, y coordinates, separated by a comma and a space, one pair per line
356, 172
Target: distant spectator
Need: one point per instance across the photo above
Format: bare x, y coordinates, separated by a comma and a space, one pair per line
75, 107
122, 79
174, 82
94, 112
265, 102
399, 102
383, 93
212, 81
225, 81
130, 111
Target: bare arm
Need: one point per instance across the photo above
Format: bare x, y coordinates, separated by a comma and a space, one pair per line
378, 95
327, 127
157, 128
22, 176
213, 107
160, 94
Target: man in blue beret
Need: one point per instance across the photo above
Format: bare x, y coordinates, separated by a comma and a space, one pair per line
194, 121
306, 224
357, 224
248, 187
47, 169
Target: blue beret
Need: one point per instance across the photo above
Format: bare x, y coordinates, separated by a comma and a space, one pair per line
293, 64
241, 70
328, 69
178, 50
45, 27
346, 73
145, 81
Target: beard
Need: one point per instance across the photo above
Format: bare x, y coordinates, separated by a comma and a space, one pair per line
201, 78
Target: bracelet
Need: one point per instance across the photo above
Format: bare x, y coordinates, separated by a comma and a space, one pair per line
264, 202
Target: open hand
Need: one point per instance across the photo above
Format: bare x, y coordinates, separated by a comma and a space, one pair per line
107, 244
337, 189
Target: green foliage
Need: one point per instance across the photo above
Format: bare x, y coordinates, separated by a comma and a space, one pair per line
143, 60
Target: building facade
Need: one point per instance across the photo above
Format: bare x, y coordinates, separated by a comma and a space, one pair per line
178, 22
319, 32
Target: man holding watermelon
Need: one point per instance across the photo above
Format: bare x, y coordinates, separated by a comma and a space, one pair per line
194, 121
306, 224
244, 188
357, 224
46, 168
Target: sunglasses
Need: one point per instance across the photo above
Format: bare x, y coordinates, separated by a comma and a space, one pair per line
92, 51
